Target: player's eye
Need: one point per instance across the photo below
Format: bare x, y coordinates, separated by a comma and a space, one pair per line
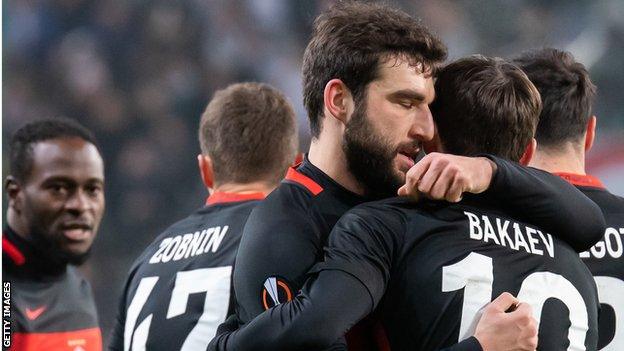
408, 104
58, 189
94, 190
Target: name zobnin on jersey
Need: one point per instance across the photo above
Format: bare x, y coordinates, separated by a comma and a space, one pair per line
189, 245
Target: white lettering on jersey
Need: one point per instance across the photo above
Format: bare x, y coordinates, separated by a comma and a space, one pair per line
525, 238
189, 245
609, 246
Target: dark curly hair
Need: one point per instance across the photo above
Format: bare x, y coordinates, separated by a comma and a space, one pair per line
349, 42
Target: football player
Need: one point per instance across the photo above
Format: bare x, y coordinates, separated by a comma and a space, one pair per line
179, 290
56, 202
565, 132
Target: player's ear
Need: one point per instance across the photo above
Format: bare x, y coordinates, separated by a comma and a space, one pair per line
338, 100
13, 189
528, 152
205, 169
590, 133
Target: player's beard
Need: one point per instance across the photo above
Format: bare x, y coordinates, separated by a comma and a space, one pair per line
370, 158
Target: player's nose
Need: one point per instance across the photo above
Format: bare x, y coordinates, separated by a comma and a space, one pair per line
78, 202
422, 126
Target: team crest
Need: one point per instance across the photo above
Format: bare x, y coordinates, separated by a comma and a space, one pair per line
275, 291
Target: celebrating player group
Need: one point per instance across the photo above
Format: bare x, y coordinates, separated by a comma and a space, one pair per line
442, 205
478, 253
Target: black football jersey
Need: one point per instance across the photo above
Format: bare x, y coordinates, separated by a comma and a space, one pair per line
179, 290
285, 235
605, 261
436, 265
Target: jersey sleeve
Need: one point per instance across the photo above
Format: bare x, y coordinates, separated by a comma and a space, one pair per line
340, 292
363, 244
328, 305
278, 242
549, 202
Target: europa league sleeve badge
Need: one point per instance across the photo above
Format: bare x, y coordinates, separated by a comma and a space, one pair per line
275, 290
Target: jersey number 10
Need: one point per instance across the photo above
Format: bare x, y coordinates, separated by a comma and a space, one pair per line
475, 274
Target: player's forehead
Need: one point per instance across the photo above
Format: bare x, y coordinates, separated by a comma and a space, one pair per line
397, 74
71, 158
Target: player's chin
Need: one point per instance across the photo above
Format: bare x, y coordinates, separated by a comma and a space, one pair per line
77, 249
76, 256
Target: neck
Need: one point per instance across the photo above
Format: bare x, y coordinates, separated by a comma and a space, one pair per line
40, 256
570, 158
245, 188
327, 155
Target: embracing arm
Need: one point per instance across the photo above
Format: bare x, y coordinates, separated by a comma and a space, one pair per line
324, 310
342, 290
548, 202
537, 197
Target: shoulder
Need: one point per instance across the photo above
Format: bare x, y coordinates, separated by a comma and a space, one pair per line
288, 204
388, 216
396, 210
291, 196
607, 201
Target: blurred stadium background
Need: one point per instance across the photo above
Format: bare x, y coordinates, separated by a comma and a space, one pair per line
139, 73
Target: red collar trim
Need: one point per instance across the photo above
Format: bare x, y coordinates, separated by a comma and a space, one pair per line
580, 179
300, 178
14, 253
219, 197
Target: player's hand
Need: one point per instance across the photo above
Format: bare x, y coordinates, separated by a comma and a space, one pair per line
499, 330
446, 177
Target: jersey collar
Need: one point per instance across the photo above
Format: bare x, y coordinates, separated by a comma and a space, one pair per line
24, 257
219, 197
581, 179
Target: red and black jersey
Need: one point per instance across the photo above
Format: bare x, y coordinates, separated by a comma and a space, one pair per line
605, 260
285, 235
179, 289
51, 304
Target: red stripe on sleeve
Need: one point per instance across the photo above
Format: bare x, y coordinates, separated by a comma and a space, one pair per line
299, 178
16, 255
